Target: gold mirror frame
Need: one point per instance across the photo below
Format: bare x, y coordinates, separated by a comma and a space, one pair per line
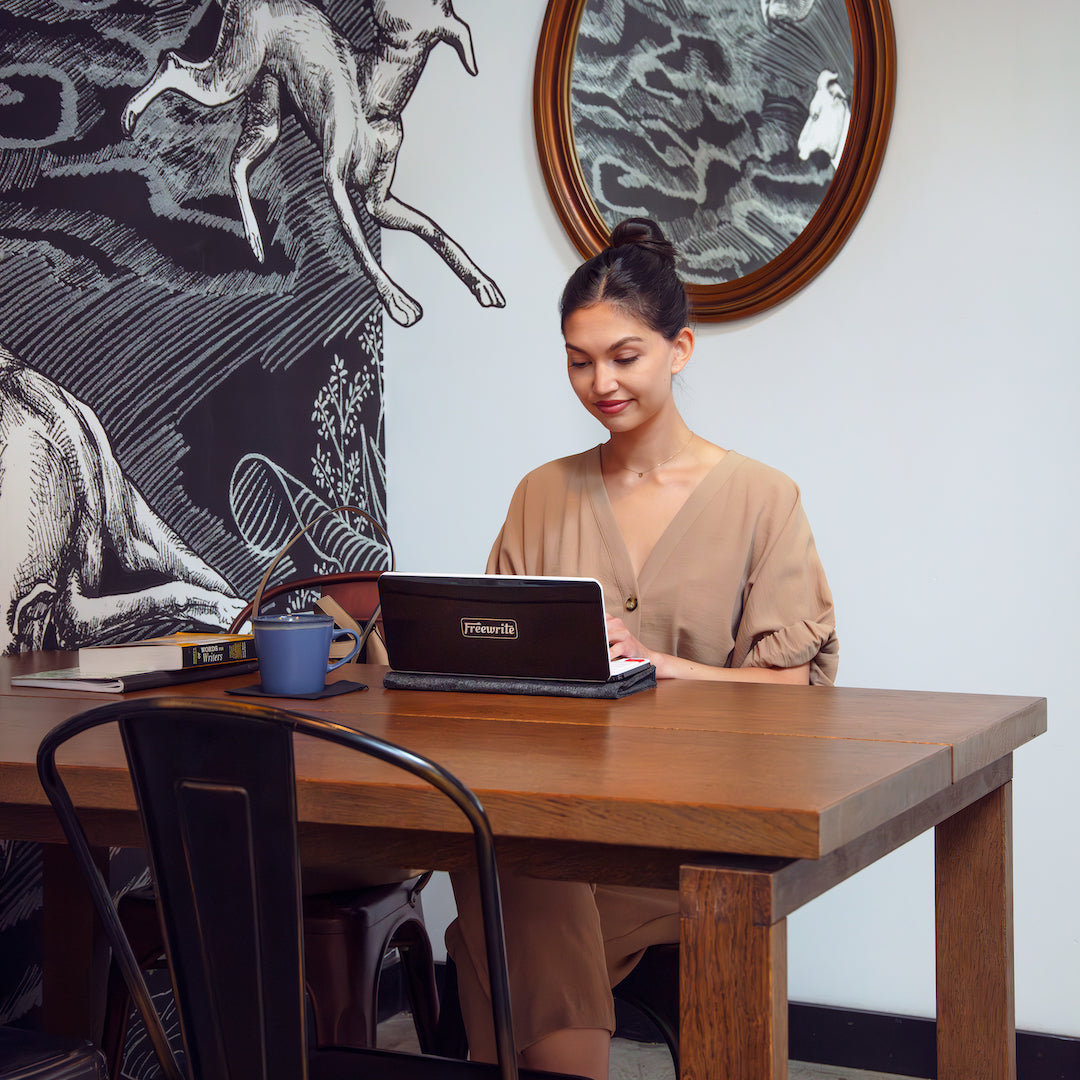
874, 45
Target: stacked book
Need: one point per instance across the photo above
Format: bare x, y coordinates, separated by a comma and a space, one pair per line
150, 663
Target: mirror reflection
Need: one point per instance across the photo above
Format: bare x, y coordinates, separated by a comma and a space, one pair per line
724, 120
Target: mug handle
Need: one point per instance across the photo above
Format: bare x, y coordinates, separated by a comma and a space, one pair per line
340, 635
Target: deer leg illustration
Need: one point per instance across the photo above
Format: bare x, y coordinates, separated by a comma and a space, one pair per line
402, 308
222, 77
260, 131
395, 214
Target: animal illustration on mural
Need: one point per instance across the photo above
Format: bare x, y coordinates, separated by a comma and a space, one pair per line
148, 352
781, 11
829, 117
351, 101
78, 522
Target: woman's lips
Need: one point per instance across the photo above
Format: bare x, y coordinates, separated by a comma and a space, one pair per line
610, 408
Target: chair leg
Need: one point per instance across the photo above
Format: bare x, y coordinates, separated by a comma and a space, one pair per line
342, 977
117, 1013
345, 943
138, 913
418, 966
450, 1038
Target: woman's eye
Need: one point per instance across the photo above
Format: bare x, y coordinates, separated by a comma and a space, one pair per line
578, 363
625, 359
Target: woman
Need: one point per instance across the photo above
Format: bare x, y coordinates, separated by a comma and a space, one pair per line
708, 568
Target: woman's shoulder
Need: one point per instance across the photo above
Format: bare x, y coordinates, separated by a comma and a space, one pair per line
560, 471
761, 478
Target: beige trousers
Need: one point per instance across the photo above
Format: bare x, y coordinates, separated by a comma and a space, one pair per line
567, 945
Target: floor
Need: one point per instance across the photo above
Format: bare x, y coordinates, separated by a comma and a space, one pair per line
633, 1060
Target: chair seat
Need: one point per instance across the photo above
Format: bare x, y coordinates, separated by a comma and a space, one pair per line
33, 1055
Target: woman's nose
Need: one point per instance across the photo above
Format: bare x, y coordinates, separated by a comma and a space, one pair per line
604, 380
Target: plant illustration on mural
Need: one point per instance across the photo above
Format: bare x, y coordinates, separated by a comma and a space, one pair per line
351, 102
348, 468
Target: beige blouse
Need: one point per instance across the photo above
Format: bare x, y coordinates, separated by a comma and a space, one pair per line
734, 581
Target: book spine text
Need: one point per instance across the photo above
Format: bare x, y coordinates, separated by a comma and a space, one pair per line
224, 652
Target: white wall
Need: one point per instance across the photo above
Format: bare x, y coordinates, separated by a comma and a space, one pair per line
921, 391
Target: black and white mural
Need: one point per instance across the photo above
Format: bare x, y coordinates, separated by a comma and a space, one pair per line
192, 301
722, 119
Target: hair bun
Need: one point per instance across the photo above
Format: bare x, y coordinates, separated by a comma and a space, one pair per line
643, 233
635, 273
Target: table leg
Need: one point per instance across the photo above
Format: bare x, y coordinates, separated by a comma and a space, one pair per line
733, 977
75, 953
976, 1023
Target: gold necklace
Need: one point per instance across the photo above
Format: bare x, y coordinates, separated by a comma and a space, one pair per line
642, 472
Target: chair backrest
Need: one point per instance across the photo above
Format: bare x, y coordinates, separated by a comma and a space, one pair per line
215, 786
327, 525
357, 591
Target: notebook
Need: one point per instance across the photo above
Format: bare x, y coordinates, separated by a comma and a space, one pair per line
521, 634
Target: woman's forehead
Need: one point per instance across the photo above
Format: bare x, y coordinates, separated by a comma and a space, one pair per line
604, 319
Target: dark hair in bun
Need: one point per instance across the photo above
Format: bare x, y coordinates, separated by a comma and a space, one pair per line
636, 272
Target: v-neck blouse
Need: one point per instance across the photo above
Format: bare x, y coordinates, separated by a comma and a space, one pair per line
734, 580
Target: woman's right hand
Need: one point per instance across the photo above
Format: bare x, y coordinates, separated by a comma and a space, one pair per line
622, 645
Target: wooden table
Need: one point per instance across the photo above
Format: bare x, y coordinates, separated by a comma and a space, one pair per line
750, 799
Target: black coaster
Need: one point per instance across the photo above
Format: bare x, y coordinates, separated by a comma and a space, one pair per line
342, 686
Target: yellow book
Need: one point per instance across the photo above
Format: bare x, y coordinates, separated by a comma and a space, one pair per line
169, 653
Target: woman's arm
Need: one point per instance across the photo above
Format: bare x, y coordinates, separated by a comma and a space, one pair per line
624, 644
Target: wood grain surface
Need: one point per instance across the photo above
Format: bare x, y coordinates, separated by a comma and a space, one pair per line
765, 770
752, 798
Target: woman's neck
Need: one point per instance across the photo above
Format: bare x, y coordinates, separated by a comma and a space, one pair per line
647, 447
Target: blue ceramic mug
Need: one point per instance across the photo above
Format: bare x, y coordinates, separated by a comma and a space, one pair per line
294, 652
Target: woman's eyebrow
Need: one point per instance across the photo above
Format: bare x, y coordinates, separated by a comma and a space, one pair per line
613, 347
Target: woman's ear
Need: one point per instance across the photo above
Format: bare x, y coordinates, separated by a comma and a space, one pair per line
682, 348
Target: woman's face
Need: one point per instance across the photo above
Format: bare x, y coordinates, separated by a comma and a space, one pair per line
620, 369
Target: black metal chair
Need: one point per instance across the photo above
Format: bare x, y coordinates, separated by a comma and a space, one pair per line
216, 792
346, 934
33, 1055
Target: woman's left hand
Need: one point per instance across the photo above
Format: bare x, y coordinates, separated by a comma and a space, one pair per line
622, 644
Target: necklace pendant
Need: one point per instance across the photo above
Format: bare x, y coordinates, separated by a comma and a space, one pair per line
641, 472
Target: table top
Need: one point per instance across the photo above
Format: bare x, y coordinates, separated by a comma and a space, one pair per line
738, 768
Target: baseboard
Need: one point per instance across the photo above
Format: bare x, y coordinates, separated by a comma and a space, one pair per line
906, 1045
878, 1042
847, 1038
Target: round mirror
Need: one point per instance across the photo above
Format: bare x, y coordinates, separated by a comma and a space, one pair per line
751, 131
